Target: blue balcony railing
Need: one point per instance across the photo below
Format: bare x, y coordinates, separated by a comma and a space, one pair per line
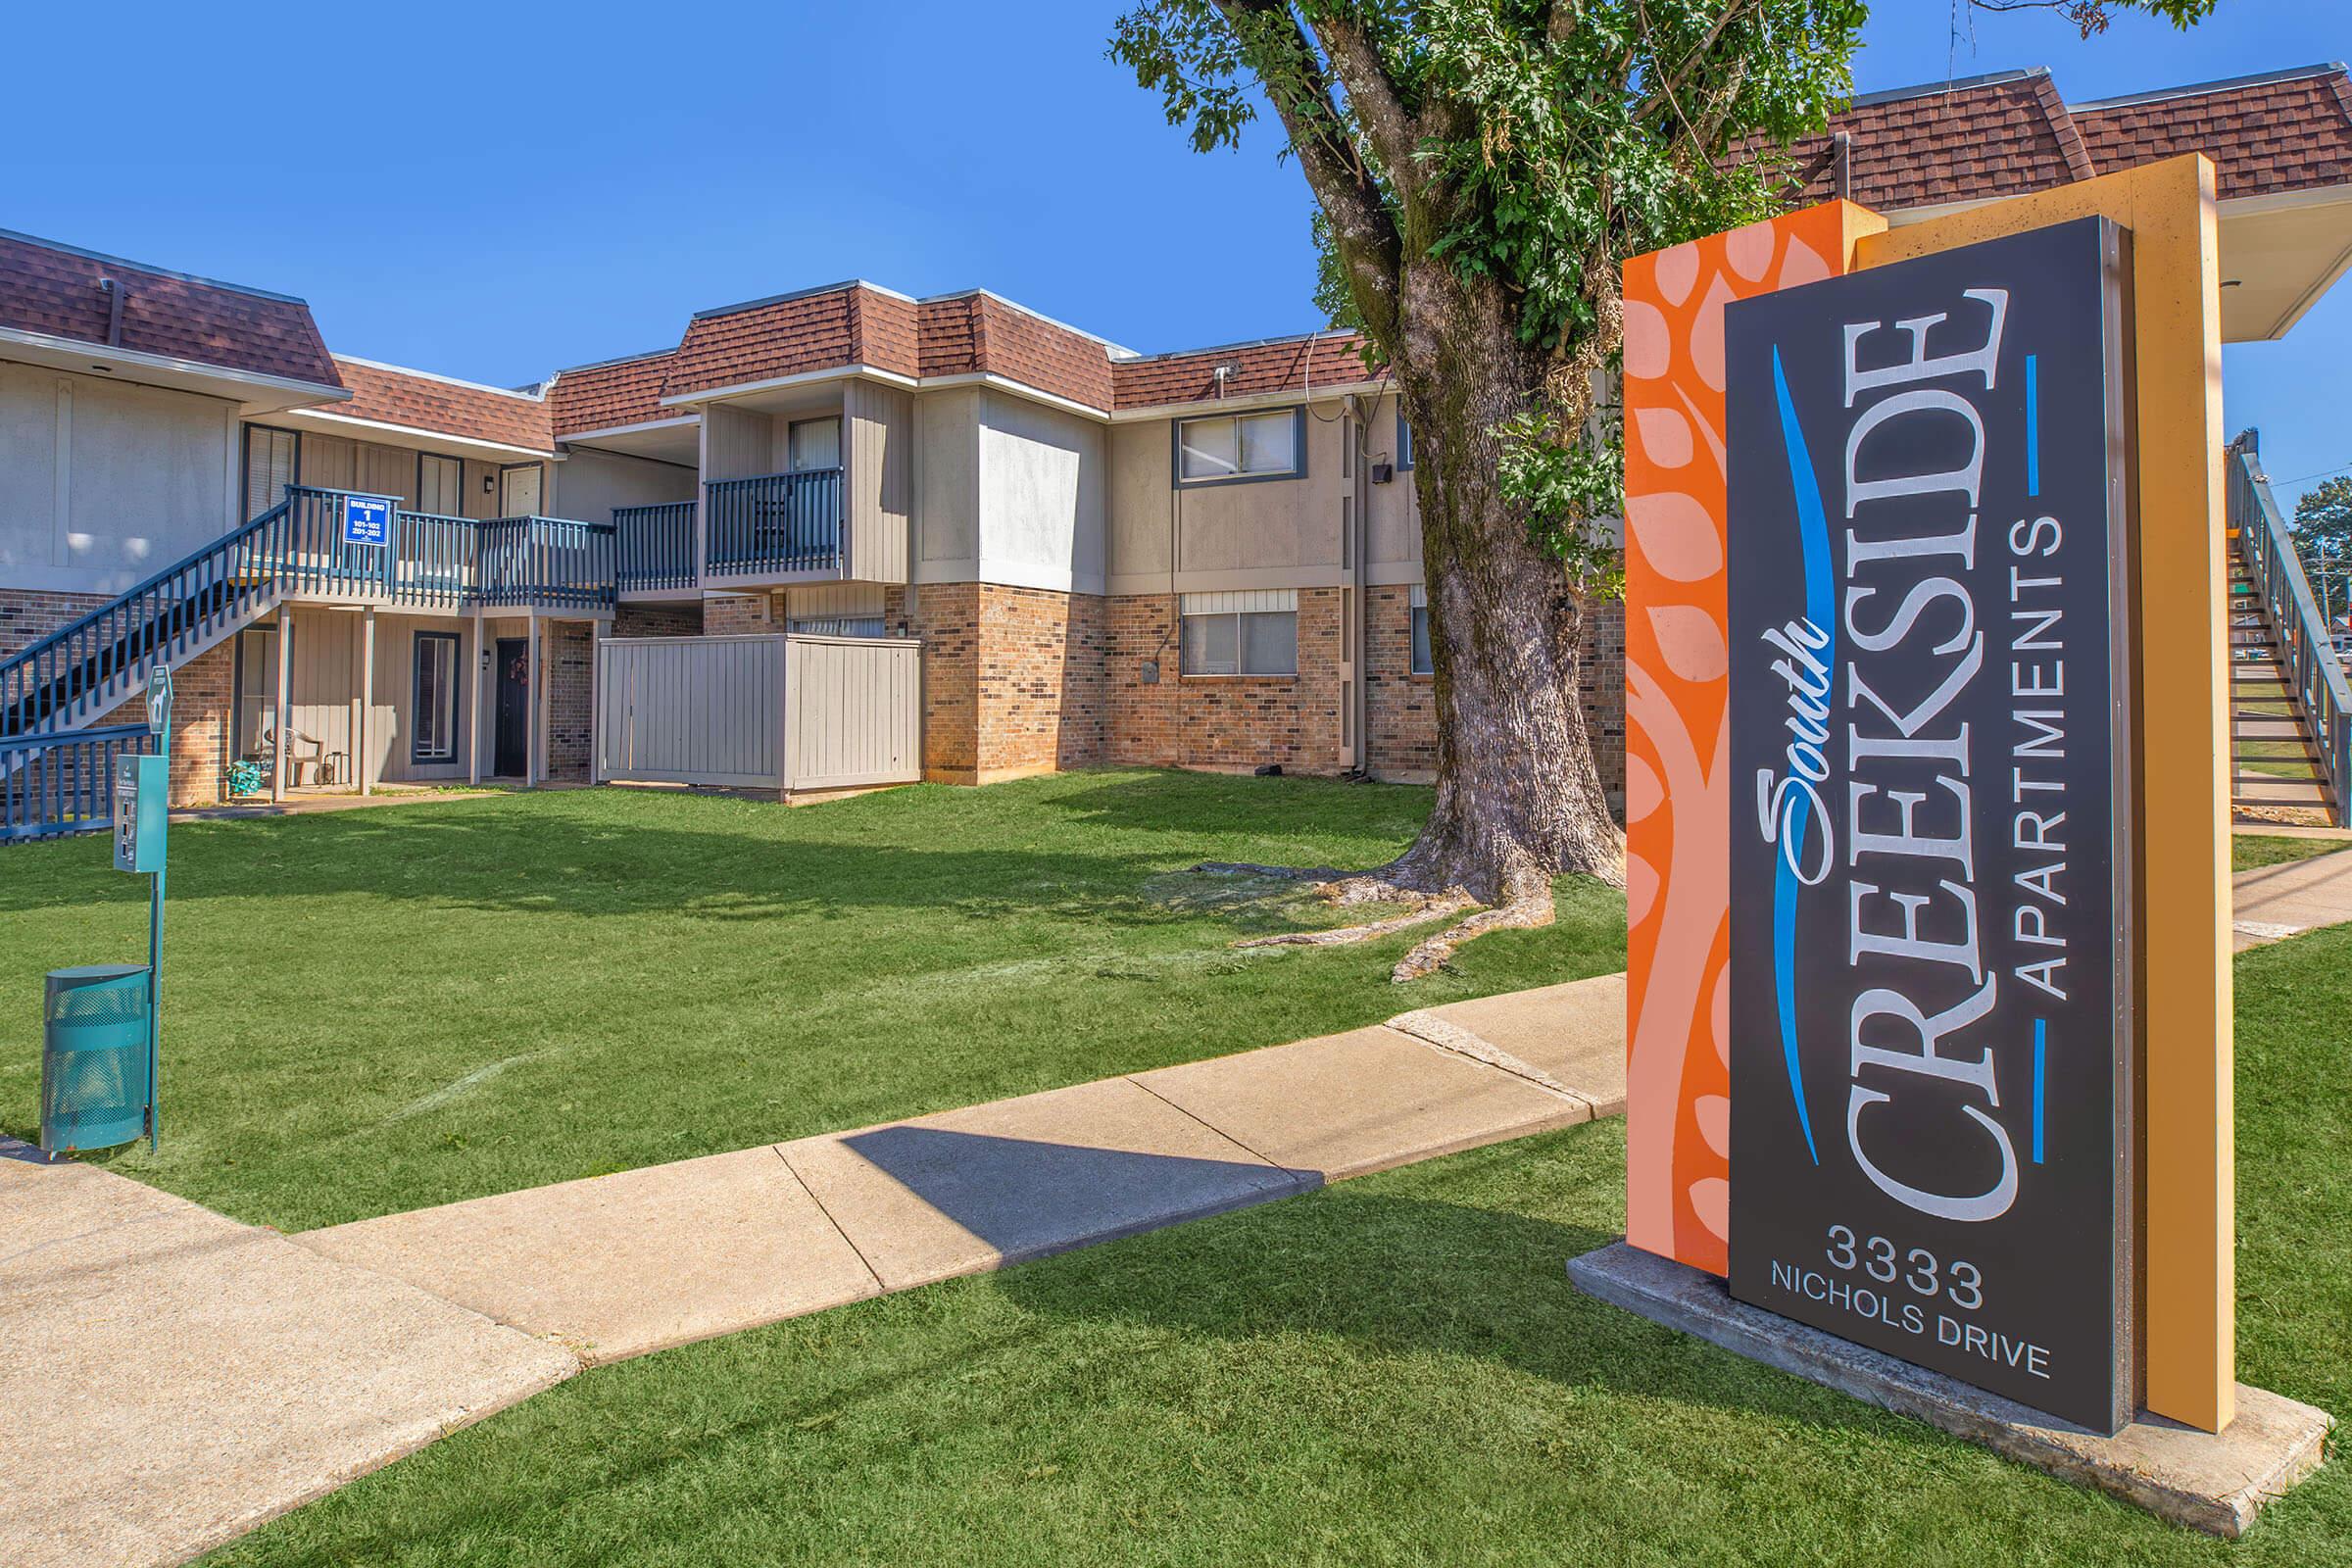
777, 522
543, 560
654, 546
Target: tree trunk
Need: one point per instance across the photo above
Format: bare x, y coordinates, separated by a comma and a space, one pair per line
1518, 796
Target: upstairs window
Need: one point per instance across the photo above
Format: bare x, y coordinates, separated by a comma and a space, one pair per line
1255, 633
813, 444
1405, 441
1222, 448
1422, 664
269, 466
440, 485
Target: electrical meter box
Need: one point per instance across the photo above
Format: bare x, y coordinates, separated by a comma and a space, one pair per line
142, 785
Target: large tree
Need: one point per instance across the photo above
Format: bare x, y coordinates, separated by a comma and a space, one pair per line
2322, 534
1480, 169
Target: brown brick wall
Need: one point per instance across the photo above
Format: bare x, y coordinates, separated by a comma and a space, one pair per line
1012, 678
203, 690
1601, 669
1223, 722
1041, 679
28, 615
658, 620
1400, 707
566, 657
1250, 720
730, 615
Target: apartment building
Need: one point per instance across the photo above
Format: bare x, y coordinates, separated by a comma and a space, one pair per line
1207, 557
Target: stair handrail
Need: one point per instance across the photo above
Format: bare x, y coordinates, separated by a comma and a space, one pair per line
13, 692
2315, 674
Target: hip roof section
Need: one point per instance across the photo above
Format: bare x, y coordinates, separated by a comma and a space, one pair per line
2010, 133
55, 290
416, 399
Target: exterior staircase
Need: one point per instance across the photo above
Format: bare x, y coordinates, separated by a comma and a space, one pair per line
2290, 711
57, 752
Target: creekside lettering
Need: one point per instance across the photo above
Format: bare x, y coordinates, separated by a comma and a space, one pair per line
1910, 768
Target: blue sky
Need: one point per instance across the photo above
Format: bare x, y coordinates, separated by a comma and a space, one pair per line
495, 192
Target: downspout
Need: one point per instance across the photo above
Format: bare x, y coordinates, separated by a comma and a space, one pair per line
1360, 533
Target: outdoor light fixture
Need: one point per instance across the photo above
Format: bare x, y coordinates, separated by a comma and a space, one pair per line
489, 484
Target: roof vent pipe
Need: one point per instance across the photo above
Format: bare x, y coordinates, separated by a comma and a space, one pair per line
112, 288
1844, 142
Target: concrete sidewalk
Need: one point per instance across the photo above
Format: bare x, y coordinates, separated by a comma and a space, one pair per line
172, 1378
621, 1265
2273, 901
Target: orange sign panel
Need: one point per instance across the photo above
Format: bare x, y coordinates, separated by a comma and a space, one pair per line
1677, 780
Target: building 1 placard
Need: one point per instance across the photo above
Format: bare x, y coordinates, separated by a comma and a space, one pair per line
1930, 848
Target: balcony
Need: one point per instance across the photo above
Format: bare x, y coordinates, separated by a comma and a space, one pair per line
430, 562
774, 525
653, 547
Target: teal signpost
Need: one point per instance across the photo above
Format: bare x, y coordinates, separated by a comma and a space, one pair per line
142, 816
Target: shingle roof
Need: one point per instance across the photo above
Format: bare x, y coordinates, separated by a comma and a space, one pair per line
857, 324
2006, 134
1302, 362
611, 394
2287, 132
766, 340
54, 289
1965, 140
417, 401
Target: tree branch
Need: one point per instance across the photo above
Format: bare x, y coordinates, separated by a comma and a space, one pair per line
1362, 226
1373, 95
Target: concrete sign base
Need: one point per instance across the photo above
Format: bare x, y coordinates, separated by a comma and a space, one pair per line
2215, 1482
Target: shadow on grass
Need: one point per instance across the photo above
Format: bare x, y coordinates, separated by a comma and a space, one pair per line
541, 864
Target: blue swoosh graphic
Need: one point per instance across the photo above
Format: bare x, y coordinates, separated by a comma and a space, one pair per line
1813, 532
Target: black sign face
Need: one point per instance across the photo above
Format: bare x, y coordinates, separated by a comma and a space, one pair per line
1931, 836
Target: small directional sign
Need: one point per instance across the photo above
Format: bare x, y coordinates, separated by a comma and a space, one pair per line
367, 519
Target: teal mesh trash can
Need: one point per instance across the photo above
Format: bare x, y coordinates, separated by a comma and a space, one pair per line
94, 1088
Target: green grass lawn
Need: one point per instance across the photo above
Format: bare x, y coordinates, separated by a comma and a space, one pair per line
2250, 851
377, 1011
1389, 1372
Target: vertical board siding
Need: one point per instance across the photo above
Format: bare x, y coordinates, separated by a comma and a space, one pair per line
763, 712
878, 444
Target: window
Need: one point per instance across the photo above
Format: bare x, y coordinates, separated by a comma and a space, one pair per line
434, 736
1240, 633
257, 690
1405, 441
1225, 447
1422, 665
440, 485
269, 458
813, 444
838, 625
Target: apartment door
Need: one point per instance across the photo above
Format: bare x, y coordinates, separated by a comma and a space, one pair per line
513, 749
518, 491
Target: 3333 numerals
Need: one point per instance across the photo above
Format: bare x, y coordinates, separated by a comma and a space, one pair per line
1919, 1270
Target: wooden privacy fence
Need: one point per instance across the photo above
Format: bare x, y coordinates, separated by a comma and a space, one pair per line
780, 712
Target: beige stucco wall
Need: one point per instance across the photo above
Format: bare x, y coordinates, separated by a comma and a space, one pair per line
103, 483
589, 484
1259, 533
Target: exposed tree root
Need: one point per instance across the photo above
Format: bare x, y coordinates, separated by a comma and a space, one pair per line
1289, 873
1425, 908
1429, 954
